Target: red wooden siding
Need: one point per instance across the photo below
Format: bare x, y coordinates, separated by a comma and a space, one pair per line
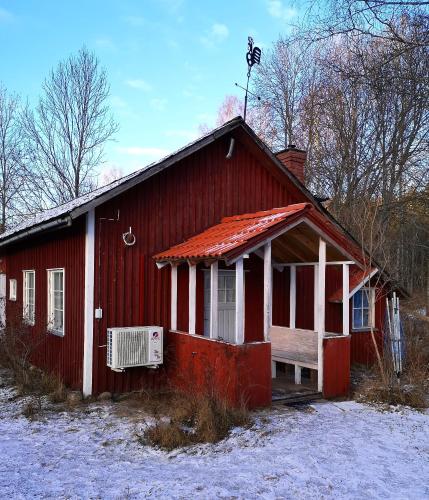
362, 346
65, 249
240, 374
336, 367
163, 211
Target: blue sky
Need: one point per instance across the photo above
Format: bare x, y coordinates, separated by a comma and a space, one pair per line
170, 62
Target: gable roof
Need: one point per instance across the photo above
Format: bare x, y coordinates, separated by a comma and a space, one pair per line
238, 231
64, 214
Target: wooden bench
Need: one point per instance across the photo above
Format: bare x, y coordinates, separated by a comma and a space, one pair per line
295, 347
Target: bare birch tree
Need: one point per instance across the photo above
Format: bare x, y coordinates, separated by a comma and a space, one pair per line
67, 132
11, 158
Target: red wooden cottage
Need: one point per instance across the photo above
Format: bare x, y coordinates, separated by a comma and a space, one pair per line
222, 245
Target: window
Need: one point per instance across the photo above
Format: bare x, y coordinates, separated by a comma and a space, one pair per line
13, 286
56, 301
29, 294
363, 309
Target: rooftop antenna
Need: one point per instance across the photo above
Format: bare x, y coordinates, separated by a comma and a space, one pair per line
253, 56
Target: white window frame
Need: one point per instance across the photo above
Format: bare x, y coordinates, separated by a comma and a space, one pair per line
371, 309
50, 273
13, 289
28, 318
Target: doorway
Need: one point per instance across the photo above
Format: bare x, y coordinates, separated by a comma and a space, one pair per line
226, 304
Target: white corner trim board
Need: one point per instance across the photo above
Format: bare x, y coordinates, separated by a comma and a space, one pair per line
89, 303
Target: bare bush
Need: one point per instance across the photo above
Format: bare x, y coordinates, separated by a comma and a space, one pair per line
183, 419
18, 344
411, 389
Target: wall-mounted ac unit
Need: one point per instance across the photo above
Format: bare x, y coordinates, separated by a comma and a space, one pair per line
134, 346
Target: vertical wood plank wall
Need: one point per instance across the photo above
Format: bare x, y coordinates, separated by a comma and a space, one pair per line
64, 249
165, 210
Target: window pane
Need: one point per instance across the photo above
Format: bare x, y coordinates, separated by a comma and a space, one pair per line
357, 319
58, 320
58, 280
221, 295
365, 294
365, 321
230, 296
58, 300
230, 280
357, 299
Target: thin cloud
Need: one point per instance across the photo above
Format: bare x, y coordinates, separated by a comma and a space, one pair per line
139, 84
188, 135
158, 104
218, 33
278, 10
142, 151
5, 15
105, 43
135, 21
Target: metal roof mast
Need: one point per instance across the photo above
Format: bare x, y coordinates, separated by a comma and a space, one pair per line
253, 56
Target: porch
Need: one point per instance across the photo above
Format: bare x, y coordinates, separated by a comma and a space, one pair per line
283, 241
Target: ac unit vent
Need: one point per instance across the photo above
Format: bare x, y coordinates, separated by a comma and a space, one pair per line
134, 346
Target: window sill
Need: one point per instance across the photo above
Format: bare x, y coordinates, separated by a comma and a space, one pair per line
363, 330
56, 333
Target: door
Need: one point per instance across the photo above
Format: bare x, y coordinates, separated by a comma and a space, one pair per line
226, 304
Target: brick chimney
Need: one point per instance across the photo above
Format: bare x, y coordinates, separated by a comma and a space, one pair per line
294, 160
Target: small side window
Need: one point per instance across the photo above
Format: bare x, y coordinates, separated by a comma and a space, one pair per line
13, 288
363, 309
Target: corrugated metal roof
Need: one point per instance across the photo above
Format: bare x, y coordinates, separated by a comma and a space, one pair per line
232, 233
357, 277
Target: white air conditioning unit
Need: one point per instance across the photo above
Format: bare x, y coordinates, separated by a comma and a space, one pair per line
134, 346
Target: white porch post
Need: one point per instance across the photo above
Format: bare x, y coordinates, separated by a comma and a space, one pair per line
297, 374
214, 300
173, 310
267, 290
239, 301
292, 297
346, 317
321, 310
192, 296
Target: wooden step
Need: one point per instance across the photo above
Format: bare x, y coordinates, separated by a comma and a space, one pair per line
297, 398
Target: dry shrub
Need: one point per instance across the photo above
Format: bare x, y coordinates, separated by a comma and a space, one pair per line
17, 345
183, 420
412, 388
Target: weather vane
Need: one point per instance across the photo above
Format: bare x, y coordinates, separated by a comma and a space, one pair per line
253, 56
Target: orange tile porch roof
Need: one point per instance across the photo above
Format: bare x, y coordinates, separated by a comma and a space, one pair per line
234, 233
357, 277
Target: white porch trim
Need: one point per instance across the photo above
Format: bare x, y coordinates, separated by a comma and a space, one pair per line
321, 310
292, 297
173, 305
214, 300
239, 302
192, 297
267, 290
346, 304
88, 328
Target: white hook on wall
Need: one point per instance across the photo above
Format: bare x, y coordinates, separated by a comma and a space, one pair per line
129, 238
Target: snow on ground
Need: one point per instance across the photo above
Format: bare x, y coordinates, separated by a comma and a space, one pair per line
326, 450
